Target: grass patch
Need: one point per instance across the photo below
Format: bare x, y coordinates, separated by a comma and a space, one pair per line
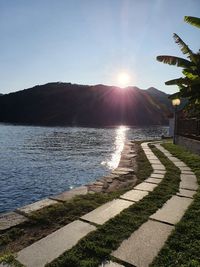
71, 210
10, 260
183, 247
49, 219
97, 246
144, 168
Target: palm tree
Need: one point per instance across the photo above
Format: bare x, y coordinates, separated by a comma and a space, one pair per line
189, 84
193, 21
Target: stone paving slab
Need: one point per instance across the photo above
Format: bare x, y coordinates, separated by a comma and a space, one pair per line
185, 169
145, 147
126, 156
125, 163
174, 159
153, 180
144, 244
145, 187
154, 161
134, 195
98, 183
82, 190
173, 210
10, 219
187, 172
52, 246
111, 264
179, 164
159, 172
158, 166
37, 205
151, 157
124, 169
148, 151
119, 172
157, 175
186, 193
188, 181
150, 154
107, 211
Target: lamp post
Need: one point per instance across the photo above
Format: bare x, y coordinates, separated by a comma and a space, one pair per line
175, 102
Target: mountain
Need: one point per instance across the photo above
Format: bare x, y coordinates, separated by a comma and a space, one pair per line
161, 97
82, 105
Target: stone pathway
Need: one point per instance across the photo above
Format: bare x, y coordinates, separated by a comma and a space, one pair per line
144, 244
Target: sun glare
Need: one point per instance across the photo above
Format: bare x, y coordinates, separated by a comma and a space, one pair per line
123, 79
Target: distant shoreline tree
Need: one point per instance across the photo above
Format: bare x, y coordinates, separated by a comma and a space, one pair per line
189, 84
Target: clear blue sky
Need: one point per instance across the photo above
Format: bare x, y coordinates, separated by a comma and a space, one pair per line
90, 41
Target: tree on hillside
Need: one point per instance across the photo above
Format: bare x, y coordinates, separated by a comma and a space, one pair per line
189, 84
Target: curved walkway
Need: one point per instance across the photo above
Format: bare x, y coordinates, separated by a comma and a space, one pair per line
45, 248
144, 244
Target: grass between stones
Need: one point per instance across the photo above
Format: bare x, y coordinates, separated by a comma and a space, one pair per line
49, 219
183, 247
144, 168
97, 246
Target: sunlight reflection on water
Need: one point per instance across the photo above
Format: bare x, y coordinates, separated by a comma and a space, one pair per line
38, 162
120, 139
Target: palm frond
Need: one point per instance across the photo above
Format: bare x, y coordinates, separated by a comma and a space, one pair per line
176, 61
193, 21
184, 48
184, 81
178, 81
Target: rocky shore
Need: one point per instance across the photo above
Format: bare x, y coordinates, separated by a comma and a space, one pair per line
123, 176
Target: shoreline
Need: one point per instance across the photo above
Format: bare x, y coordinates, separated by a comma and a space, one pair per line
121, 177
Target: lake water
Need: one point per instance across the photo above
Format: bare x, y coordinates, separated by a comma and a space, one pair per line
37, 162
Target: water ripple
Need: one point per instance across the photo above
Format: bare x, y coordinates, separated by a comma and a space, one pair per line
37, 162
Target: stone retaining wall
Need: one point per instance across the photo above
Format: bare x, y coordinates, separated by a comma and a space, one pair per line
188, 143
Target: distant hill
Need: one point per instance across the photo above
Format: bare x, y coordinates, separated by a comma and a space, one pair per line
161, 97
82, 105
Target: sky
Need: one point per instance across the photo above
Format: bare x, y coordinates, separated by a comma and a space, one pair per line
92, 41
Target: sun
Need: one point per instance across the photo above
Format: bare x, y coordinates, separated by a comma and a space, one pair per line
123, 79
